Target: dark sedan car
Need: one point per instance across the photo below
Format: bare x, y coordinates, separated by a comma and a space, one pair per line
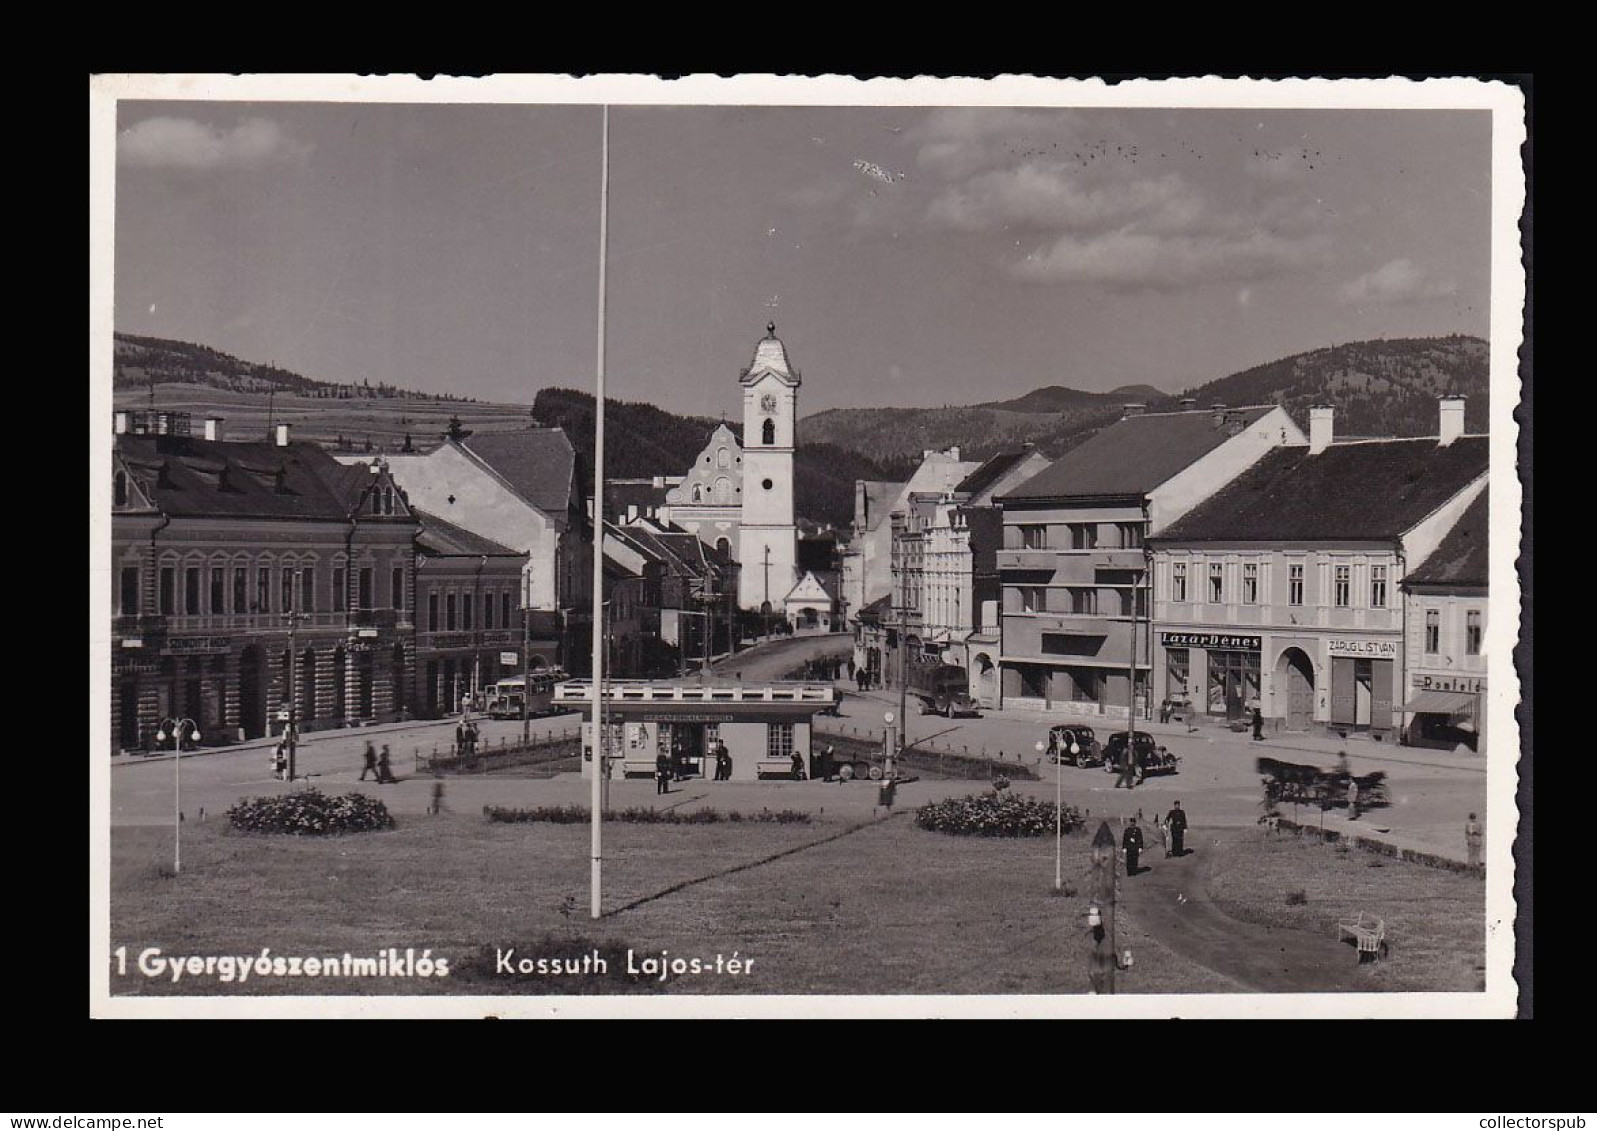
1086, 752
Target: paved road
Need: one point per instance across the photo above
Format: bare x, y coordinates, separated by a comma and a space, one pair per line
776, 659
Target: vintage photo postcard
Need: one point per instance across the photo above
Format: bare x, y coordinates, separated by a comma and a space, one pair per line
804, 547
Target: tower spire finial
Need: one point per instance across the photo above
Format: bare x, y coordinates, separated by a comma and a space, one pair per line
770, 329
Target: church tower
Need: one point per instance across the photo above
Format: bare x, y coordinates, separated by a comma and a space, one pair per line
767, 536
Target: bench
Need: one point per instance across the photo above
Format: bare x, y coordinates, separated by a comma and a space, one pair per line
1367, 931
630, 766
775, 768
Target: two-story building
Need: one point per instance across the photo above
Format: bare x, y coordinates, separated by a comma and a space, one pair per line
469, 628
522, 489
1073, 568
1444, 638
251, 577
1282, 590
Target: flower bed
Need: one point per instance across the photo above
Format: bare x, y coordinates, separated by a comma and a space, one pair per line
310, 812
638, 815
995, 814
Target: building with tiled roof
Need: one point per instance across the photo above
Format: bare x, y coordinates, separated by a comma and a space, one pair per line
1444, 637
469, 622
1072, 568
520, 488
255, 581
1282, 591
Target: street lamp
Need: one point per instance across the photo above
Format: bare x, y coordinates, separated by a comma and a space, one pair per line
890, 741
1059, 821
291, 732
181, 729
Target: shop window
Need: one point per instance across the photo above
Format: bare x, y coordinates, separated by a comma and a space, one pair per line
1250, 583
1178, 581
1343, 590
778, 740
1294, 585
1378, 587
1233, 682
1216, 583
1472, 633
1433, 632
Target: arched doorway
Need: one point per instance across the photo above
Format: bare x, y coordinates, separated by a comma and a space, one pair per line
1294, 678
986, 688
252, 693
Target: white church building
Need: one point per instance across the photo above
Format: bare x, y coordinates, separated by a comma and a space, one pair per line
739, 496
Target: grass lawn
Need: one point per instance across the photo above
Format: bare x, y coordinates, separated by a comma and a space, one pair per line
1435, 919
876, 908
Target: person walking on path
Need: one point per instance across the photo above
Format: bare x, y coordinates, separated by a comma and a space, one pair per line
371, 763
1176, 819
662, 773
1127, 767
798, 766
1352, 798
1164, 836
1258, 725
385, 767
1131, 841
1472, 840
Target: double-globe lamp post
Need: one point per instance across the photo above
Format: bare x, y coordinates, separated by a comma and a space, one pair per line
181, 730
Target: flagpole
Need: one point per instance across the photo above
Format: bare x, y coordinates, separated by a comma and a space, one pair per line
597, 683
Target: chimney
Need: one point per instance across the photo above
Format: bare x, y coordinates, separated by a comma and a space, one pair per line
659, 481
953, 452
1452, 418
282, 435
1188, 403
1132, 409
121, 423
632, 512
1320, 430
213, 427
1218, 408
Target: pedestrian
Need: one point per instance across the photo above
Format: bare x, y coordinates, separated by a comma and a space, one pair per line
1177, 820
1353, 798
1473, 836
385, 767
798, 766
279, 762
851, 672
460, 738
1127, 766
1131, 841
1164, 836
1258, 725
662, 773
371, 762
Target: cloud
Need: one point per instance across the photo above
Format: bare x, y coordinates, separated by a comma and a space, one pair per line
958, 142
1399, 281
1132, 260
182, 143
1047, 196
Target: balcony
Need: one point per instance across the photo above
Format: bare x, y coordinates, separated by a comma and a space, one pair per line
1027, 559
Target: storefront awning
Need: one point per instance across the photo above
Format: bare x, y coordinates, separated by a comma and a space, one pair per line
1442, 703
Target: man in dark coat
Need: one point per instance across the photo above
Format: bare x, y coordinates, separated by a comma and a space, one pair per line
1258, 725
662, 773
1176, 821
371, 763
1131, 841
385, 766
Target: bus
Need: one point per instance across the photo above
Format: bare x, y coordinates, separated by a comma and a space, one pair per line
507, 696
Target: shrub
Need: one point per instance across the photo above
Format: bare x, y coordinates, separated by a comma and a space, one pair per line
579, 815
1297, 898
310, 812
995, 814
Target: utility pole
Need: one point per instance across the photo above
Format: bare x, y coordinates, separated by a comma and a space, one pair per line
903, 671
596, 800
526, 675
291, 732
1101, 916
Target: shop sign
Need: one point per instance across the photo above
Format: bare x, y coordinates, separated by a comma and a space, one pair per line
1364, 649
196, 645
134, 666
694, 717
1473, 685
506, 637
451, 640
1222, 641
509, 659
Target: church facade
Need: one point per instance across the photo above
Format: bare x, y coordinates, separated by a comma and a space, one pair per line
738, 496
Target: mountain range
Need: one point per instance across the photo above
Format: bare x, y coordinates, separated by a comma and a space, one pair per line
1386, 387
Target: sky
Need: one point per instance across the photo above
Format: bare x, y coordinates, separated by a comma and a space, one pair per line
908, 255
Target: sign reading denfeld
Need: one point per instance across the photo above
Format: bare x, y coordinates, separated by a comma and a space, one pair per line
1364, 649
1222, 641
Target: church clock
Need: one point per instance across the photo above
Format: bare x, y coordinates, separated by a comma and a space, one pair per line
768, 403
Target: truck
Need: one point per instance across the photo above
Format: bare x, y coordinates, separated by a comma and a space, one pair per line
943, 688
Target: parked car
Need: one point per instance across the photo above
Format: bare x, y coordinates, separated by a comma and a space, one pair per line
1153, 758
1062, 738
943, 688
